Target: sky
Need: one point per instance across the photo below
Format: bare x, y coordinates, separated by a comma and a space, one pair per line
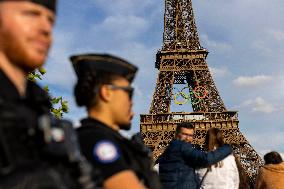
245, 40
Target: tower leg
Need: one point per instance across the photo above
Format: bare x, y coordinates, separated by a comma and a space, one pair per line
163, 92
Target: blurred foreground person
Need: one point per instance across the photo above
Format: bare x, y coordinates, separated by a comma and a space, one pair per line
222, 175
28, 158
178, 163
271, 175
104, 88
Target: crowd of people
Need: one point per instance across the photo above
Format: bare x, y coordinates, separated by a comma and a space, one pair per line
38, 151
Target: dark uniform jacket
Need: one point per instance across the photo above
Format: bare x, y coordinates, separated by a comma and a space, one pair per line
23, 161
111, 153
177, 164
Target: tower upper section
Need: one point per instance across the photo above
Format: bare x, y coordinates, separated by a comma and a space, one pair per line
180, 31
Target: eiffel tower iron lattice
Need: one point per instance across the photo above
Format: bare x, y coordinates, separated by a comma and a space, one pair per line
182, 61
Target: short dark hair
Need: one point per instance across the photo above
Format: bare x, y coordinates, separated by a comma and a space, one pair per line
88, 86
186, 125
272, 158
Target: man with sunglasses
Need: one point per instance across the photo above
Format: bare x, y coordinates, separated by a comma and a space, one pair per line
104, 88
177, 164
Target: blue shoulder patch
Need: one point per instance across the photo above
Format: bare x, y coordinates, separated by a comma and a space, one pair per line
106, 151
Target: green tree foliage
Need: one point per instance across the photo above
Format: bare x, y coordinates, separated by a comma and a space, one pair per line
59, 106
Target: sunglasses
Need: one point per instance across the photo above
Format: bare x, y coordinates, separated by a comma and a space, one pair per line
129, 90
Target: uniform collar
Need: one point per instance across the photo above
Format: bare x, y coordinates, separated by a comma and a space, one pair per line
8, 90
35, 96
94, 123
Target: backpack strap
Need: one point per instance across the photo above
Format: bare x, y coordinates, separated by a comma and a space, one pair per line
203, 178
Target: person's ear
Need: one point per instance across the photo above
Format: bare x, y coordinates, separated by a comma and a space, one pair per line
105, 93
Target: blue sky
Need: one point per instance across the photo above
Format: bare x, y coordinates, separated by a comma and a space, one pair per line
245, 39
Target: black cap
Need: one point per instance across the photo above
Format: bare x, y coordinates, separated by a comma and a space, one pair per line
50, 4
103, 62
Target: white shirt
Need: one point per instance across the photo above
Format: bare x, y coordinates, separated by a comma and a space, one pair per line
156, 167
225, 177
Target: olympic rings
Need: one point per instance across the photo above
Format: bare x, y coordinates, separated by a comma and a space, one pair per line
184, 96
200, 89
196, 92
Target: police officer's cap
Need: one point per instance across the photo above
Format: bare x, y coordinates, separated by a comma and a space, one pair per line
103, 62
50, 4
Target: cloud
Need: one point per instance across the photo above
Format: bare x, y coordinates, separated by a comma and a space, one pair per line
273, 142
269, 42
280, 86
122, 27
219, 72
259, 105
253, 81
217, 46
115, 7
278, 35
262, 47
138, 53
59, 68
138, 90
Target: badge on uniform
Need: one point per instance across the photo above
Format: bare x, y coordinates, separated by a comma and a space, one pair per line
106, 151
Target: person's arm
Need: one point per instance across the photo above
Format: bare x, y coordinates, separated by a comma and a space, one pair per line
124, 179
200, 158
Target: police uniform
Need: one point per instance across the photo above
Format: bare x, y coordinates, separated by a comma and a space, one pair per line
107, 150
25, 158
18, 127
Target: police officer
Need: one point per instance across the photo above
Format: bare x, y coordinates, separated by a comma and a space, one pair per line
25, 38
104, 88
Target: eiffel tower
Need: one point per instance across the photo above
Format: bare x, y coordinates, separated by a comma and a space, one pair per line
184, 78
